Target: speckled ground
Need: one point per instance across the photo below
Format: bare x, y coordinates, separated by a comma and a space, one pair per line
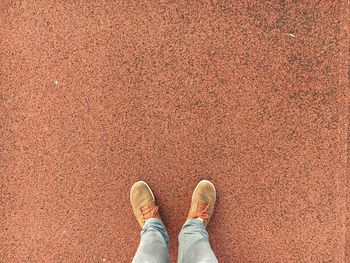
250, 94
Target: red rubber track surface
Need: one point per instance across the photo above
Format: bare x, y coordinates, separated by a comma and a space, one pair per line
252, 95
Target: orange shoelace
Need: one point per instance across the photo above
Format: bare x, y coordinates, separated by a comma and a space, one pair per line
148, 212
201, 211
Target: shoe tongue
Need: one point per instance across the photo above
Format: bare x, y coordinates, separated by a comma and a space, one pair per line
145, 202
147, 207
148, 210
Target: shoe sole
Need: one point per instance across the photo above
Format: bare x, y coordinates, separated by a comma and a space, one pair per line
145, 185
206, 182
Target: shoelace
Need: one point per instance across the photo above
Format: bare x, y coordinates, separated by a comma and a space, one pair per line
201, 211
148, 212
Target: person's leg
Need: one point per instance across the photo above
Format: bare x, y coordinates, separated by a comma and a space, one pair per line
194, 244
154, 243
153, 246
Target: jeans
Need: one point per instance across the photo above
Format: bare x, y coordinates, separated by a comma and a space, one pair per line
194, 244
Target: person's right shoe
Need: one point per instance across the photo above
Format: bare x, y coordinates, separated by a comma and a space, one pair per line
203, 201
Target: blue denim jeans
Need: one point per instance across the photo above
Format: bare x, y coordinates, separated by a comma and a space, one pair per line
194, 244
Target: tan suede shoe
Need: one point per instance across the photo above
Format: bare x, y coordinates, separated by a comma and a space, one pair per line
203, 201
143, 202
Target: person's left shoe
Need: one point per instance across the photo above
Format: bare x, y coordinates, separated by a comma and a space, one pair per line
143, 202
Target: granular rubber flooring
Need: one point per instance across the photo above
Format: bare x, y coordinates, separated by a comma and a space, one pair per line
252, 95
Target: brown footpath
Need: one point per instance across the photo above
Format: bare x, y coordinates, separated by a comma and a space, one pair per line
252, 95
